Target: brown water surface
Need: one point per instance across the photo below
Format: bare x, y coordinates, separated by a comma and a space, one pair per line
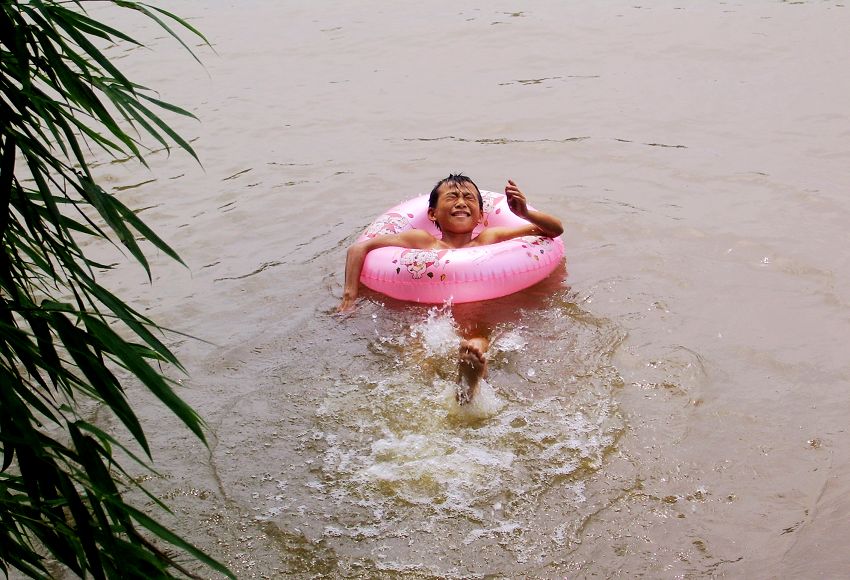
674, 404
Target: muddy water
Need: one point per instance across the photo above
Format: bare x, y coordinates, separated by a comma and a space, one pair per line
671, 404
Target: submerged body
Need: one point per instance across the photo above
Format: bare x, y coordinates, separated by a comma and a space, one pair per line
455, 207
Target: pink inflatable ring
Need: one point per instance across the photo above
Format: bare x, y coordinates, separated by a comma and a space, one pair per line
461, 275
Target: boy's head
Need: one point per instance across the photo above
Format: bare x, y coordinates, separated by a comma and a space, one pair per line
457, 202
453, 180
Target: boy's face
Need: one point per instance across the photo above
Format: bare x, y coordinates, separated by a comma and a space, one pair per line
457, 209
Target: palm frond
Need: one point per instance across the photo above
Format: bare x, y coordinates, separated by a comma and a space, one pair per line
61, 489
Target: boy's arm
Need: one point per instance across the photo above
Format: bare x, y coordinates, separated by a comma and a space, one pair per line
539, 223
356, 256
549, 225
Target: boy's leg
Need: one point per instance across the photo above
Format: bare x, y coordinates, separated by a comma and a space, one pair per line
472, 367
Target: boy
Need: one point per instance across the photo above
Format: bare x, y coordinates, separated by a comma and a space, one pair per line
455, 207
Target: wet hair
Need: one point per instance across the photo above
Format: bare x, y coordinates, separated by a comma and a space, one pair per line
454, 179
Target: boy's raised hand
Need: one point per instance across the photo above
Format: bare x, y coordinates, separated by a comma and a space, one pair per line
546, 224
516, 200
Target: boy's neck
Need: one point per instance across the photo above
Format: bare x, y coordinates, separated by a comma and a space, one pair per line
456, 240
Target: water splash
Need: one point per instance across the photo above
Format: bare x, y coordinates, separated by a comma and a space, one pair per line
486, 403
396, 462
510, 341
438, 332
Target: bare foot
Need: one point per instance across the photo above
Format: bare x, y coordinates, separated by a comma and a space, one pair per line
471, 367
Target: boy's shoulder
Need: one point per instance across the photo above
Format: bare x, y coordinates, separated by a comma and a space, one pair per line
415, 238
416, 233
422, 236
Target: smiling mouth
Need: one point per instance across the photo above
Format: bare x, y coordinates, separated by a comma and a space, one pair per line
461, 213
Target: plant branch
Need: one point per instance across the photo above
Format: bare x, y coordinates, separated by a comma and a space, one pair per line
7, 174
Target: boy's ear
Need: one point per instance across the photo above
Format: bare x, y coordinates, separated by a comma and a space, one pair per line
433, 217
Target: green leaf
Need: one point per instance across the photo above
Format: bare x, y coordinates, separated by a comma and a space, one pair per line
131, 318
61, 100
148, 10
167, 106
165, 128
102, 381
61, 17
144, 230
162, 532
103, 203
145, 373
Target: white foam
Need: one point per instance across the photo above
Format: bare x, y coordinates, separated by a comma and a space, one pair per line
459, 466
486, 402
504, 529
510, 341
446, 473
438, 332
395, 446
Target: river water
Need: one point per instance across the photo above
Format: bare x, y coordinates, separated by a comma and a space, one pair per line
671, 404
